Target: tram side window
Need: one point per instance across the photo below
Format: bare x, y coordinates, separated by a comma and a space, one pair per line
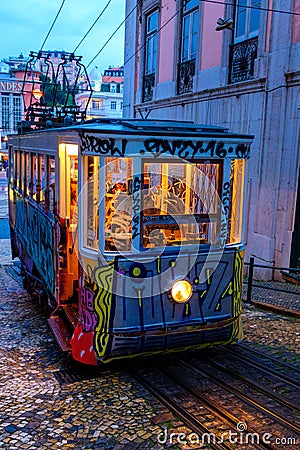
33, 176
21, 171
10, 163
236, 201
51, 189
41, 179
118, 204
73, 184
181, 203
91, 201
16, 168
26, 172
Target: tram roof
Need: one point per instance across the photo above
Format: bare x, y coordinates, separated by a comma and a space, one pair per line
167, 127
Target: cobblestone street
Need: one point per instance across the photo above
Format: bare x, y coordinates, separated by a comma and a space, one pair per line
110, 411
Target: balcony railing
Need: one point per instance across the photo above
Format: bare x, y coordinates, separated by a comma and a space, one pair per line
242, 56
186, 72
148, 85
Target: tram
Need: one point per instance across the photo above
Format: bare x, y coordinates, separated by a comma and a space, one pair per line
131, 232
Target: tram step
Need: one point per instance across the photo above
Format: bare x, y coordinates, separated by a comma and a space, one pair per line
70, 311
61, 332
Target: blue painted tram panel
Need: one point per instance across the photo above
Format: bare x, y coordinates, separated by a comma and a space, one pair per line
134, 229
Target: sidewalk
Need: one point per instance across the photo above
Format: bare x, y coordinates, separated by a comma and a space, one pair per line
270, 295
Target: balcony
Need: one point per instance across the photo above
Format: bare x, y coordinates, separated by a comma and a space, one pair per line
148, 85
186, 72
242, 57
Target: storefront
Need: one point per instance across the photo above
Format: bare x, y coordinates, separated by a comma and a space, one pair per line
11, 105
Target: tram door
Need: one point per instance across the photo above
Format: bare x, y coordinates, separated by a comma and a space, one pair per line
68, 154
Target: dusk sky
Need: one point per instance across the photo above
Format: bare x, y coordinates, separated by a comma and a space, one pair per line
24, 25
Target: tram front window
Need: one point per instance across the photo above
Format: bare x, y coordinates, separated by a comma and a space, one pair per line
118, 204
181, 203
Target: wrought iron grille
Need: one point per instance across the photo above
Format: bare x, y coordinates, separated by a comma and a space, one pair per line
242, 56
186, 72
148, 85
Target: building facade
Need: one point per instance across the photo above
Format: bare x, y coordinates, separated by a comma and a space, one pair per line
11, 105
107, 96
234, 64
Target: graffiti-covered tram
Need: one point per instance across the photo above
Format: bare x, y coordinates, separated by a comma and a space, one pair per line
132, 229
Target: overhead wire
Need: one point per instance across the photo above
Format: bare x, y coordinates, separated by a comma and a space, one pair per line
90, 29
217, 2
154, 34
53, 23
112, 35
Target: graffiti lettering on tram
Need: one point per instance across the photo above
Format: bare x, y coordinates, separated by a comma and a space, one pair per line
87, 314
34, 228
136, 206
192, 149
101, 146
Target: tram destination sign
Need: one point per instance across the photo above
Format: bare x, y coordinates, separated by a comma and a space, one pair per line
157, 147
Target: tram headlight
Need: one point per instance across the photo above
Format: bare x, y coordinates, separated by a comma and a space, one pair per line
181, 291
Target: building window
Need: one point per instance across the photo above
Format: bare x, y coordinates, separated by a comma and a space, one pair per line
5, 112
96, 105
121, 105
150, 55
189, 38
17, 112
247, 19
244, 50
113, 105
189, 30
113, 88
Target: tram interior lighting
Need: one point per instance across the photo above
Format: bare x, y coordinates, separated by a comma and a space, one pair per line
181, 291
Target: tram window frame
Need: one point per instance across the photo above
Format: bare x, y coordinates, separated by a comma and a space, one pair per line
73, 186
236, 200
91, 242
162, 233
16, 168
14, 173
38, 178
33, 176
117, 228
41, 180
11, 164
25, 173
21, 171
51, 185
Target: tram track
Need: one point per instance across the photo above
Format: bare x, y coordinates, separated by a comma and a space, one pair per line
287, 372
260, 380
199, 415
280, 418
189, 384
247, 346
